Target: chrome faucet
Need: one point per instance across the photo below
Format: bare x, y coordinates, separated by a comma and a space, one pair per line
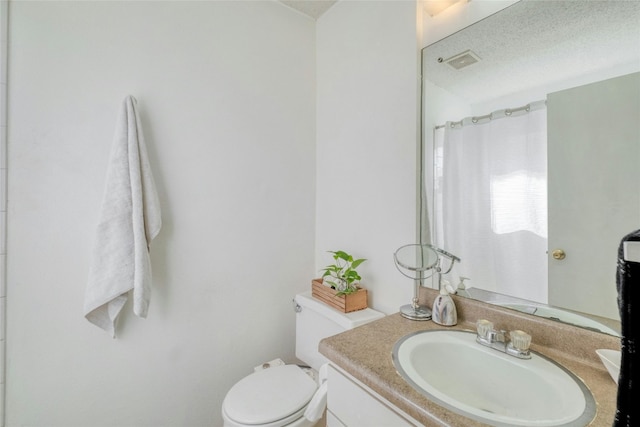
515, 343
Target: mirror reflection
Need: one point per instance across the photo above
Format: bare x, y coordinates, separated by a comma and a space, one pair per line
414, 259
531, 145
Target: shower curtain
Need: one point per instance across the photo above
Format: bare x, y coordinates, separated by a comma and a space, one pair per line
491, 200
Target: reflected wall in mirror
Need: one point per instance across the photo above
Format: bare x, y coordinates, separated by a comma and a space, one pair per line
583, 59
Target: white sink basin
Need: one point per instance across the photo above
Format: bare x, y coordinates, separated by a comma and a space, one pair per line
450, 368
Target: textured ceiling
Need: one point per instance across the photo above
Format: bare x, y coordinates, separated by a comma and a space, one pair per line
533, 43
312, 8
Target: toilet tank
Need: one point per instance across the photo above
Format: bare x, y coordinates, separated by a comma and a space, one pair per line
315, 321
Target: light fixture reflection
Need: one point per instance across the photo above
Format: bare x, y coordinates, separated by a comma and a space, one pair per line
434, 7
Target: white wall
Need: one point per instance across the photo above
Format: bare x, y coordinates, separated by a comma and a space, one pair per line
4, 9
367, 121
227, 96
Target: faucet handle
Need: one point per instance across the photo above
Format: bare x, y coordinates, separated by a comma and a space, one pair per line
520, 340
483, 327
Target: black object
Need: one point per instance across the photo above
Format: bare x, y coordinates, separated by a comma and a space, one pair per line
628, 285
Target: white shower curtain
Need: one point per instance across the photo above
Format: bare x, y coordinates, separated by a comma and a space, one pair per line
491, 201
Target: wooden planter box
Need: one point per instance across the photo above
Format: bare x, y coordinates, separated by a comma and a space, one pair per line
344, 303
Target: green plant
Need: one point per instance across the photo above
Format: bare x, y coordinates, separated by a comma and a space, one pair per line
342, 275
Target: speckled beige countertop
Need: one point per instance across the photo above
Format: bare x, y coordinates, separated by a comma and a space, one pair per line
365, 353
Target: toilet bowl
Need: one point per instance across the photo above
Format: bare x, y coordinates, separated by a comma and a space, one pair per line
273, 397
289, 395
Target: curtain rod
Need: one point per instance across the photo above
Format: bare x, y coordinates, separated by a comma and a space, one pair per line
508, 112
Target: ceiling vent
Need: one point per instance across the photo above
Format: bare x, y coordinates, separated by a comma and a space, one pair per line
462, 60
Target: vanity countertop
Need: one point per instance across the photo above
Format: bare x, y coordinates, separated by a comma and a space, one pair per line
365, 353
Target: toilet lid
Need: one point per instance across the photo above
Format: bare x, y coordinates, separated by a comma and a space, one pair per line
269, 395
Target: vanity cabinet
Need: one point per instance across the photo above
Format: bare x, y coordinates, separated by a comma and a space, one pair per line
352, 404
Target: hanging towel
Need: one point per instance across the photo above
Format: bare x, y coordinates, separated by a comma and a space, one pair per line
628, 284
129, 221
316, 407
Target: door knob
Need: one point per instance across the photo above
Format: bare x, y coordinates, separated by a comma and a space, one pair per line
558, 254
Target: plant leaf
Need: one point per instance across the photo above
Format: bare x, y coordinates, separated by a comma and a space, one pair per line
343, 256
357, 262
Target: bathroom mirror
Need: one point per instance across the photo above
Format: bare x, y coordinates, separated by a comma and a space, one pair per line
420, 262
415, 262
416, 259
525, 52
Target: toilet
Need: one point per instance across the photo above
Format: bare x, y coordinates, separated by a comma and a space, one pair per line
291, 395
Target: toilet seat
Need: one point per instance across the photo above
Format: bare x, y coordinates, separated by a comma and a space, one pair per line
272, 397
293, 420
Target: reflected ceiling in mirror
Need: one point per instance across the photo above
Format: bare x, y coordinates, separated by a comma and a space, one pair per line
535, 43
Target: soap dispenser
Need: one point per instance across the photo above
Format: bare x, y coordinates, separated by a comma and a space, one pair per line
444, 309
462, 287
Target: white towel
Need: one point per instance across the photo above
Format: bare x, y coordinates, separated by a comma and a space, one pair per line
318, 404
129, 221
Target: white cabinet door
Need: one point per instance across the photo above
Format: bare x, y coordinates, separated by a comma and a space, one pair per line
333, 421
351, 405
594, 189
